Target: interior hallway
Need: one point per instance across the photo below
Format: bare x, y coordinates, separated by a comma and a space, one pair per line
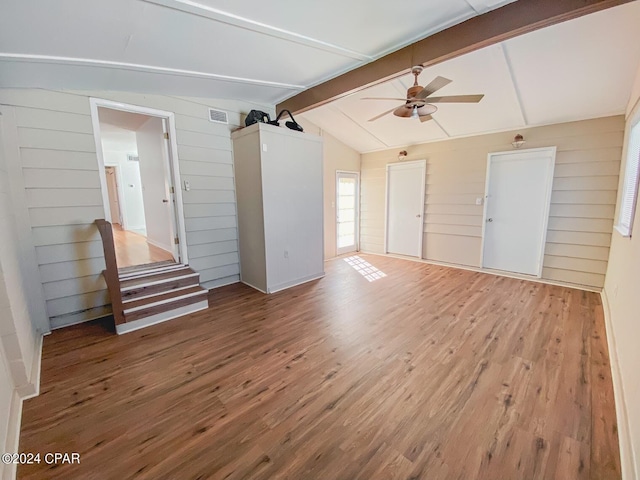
133, 249
391, 369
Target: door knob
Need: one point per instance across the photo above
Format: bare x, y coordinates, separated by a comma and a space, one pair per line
164, 200
489, 219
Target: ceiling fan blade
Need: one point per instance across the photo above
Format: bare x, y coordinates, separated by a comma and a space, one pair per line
385, 98
457, 99
425, 118
435, 85
382, 114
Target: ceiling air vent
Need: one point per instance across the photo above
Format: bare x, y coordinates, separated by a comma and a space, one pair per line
133, 158
218, 116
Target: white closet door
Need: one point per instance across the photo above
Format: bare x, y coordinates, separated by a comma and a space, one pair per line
405, 207
517, 210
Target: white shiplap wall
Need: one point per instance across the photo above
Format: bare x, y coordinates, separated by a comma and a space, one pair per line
60, 172
582, 204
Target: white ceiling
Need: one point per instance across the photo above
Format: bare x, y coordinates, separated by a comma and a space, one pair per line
117, 119
258, 50
575, 70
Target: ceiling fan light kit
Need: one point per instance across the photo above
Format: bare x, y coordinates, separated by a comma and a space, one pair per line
419, 104
518, 141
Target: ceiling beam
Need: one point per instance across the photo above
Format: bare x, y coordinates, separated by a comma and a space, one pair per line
493, 27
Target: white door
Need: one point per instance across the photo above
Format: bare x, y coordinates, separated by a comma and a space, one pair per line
517, 210
157, 186
347, 199
114, 200
405, 207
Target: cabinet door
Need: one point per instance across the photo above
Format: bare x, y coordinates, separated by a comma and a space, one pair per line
292, 189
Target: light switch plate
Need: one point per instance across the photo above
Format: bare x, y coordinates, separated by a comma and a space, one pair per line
264, 147
479, 201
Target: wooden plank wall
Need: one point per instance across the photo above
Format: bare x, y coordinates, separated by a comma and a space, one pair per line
63, 190
582, 204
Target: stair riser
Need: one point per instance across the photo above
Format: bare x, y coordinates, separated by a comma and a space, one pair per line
160, 287
166, 307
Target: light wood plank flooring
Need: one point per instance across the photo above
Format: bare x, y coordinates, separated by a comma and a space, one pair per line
133, 249
426, 373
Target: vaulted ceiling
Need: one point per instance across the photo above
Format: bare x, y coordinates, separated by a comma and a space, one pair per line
257, 50
580, 69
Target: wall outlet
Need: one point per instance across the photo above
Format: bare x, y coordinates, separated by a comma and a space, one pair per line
264, 147
286, 254
479, 201
187, 186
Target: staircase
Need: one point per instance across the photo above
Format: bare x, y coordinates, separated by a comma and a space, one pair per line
148, 294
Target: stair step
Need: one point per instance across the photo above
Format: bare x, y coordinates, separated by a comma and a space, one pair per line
145, 266
151, 271
164, 303
161, 297
158, 283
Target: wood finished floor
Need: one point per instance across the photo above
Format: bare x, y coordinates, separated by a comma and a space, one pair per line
133, 249
427, 373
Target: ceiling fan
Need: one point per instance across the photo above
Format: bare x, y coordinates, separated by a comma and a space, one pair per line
419, 102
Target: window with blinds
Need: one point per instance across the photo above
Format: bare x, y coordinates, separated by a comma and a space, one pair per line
630, 185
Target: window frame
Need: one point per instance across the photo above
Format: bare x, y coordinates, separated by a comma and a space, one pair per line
633, 183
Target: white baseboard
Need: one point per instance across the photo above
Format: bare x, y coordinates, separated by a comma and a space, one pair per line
252, 286
162, 317
627, 460
13, 435
12, 442
299, 281
32, 389
484, 270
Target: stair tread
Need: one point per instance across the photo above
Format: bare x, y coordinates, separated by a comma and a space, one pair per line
174, 294
141, 273
146, 266
138, 281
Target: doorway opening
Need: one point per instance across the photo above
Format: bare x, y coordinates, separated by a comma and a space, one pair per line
516, 210
405, 208
347, 217
139, 178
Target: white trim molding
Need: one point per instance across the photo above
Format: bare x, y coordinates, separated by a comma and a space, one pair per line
174, 162
627, 460
94, 62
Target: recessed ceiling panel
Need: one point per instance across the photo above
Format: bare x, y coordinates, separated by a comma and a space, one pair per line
77, 77
481, 72
82, 29
578, 69
205, 45
344, 129
365, 26
390, 129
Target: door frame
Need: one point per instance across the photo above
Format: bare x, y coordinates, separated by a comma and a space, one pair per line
423, 165
357, 223
552, 151
172, 153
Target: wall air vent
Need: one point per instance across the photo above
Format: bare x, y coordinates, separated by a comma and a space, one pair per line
218, 116
133, 158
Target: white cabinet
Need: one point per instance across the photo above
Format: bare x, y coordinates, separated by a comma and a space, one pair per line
278, 174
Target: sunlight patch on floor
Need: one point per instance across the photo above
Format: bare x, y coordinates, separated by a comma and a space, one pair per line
365, 269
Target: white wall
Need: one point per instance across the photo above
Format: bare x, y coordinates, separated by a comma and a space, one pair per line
154, 173
622, 297
116, 145
60, 168
22, 310
582, 202
336, 156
